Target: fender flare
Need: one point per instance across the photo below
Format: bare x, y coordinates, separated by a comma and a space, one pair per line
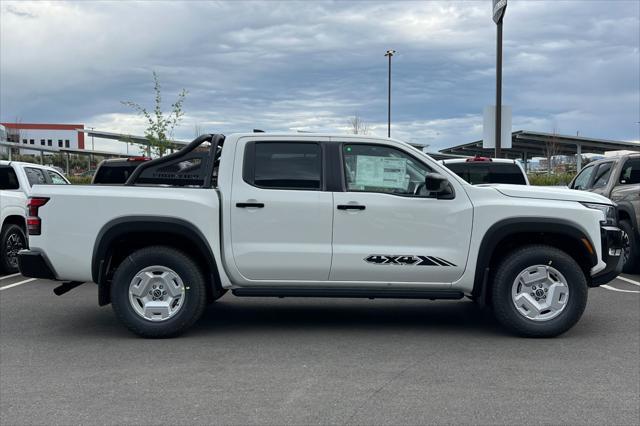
627, 207
502, 229
122, 226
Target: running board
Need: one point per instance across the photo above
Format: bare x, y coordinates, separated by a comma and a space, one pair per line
347, 293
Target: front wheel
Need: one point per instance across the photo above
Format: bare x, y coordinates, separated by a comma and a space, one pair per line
158, 292
12, 240
539, 291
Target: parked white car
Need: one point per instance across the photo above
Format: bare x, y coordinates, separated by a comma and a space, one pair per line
308, 215
16, 180
483, 170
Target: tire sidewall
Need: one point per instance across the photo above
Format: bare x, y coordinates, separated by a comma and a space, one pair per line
195, 292
518, 262
631, 264
7, 231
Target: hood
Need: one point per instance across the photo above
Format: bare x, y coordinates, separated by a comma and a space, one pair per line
550, 193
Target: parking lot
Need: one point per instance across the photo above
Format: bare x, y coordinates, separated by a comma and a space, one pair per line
64, 360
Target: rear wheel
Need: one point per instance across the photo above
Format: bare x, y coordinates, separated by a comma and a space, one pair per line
630, 250
12, 240
158, 292
539, 291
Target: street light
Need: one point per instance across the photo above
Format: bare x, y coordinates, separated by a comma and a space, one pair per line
499, 8
389, 53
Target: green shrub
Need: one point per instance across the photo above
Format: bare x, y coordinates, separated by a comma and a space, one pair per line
556, 179
79, 180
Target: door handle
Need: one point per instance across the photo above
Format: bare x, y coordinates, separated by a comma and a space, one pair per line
247, 205
351, 207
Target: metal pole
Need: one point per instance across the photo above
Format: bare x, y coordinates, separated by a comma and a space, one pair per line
498, 153
389, 102
67, 162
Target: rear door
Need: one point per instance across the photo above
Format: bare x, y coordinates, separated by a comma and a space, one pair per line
387, 229
281, 214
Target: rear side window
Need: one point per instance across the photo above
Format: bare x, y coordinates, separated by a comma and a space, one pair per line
56, 178
35, 176
630, 172
486, 172
8, 178
114, 174
284, 165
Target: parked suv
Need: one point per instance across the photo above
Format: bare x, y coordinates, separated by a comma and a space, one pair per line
618, 178
480, 170
16, 180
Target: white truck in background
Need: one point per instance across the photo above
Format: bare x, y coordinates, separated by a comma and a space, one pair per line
312, 215
16, 180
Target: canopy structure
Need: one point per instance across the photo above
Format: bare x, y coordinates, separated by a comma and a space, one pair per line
526, 145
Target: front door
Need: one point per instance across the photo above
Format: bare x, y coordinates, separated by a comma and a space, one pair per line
388, 229
281, 215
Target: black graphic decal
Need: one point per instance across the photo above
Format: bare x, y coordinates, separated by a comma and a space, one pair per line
406, 260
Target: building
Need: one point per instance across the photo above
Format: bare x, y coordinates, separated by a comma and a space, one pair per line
52, 136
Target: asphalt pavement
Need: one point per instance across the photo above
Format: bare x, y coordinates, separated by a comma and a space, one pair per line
64, 360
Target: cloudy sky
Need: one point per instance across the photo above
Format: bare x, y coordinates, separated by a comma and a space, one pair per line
284, 66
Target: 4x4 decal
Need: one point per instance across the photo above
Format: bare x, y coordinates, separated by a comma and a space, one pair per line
406, 260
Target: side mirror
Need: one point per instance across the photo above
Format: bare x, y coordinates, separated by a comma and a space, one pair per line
435, 182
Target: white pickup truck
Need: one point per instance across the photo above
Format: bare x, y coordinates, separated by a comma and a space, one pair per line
16, 179
312, 215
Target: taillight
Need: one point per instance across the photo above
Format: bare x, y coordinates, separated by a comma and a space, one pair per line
34, 224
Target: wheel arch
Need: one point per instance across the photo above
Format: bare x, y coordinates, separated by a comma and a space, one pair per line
120, 237
625, 211
15, 219
507, 234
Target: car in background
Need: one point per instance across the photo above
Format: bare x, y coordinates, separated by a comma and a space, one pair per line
482, 170
16, 180
116, 171
618, 178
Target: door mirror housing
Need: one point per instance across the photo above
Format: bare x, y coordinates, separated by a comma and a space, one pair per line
435, 182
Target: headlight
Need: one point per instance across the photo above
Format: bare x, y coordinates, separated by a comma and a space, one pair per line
608, 210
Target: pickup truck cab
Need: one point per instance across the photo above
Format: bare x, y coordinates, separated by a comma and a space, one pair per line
618, 178
16, 180
315, 215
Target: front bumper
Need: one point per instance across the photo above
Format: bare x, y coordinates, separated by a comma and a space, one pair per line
34, 265
611, 239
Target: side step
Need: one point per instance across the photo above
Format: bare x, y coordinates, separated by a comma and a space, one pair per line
347, 293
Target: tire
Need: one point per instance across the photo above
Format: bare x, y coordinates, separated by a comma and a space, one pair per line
564, 274
12, 239
153, 264
632, 264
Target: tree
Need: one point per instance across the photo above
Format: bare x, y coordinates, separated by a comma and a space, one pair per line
160, 126
551, 149
357, 125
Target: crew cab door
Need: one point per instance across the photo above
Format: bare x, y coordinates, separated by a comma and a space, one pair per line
281, 214
387, 229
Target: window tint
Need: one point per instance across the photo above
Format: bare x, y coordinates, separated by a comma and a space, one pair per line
601, 177
287, 165
114, 174
583, 178
56, 178
377, 168
8, 178
630, 172
479, 173
35, 176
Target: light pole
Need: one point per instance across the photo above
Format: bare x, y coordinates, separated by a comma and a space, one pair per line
499, 8
389, 54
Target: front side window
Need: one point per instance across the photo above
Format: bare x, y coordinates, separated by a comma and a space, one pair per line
630, 172
378, 168
285, 165
35, 176
602, 175
56, 178
582, 180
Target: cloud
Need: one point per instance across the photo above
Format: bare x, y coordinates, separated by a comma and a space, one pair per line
286, 66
